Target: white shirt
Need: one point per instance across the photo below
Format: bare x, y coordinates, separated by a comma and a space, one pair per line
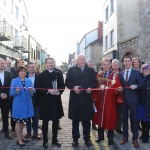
32, 79
125, 72
2, 77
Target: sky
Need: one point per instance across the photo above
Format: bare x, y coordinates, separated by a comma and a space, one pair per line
58, 24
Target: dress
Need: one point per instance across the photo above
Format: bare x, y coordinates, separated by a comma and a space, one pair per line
22, 108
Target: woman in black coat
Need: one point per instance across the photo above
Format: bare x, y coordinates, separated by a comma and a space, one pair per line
144, 103
50, 105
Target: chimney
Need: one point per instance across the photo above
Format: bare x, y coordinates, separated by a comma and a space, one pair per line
100, 29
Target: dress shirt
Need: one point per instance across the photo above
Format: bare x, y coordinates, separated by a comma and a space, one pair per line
32, 79
125, 72
2, 77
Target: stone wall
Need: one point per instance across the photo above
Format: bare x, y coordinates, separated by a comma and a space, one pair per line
144, 31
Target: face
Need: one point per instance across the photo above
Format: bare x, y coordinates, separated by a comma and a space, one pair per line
50, 64
90, 64
36, 69
22, 73
21, 63
136, 64
2, 64
81, 61
146, 72
31, 68
8, 64
115, 66
106, 65
127, 63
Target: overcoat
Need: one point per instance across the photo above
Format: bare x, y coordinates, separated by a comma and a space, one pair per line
22, 102
50, 106
80, 105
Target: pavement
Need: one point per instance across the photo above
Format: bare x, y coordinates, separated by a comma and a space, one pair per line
65, 137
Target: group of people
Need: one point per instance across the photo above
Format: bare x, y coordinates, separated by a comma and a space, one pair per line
105, 98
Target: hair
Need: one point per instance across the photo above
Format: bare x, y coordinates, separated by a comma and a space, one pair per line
48, 59
9, 60
1, 59
20, 60
115, 60
127, 57
105, 60
140, 64
38, 67
20, 68
30, 63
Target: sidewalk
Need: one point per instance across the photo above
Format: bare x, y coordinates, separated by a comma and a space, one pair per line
65, 137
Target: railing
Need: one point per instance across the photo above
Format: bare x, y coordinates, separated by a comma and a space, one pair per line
5, 31
20, 42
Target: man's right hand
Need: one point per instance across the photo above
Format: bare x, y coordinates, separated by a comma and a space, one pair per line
51, 91
77, 89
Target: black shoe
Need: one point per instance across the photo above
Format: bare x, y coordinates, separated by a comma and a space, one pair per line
45, 144
141, 137
88, 143
139, 127
36, 137
75, 143
25, 141
99, 140
59, 127
145, 140
21, 145
12, 130
27, 136
94, 127
2, 130
56, 144
8, 136
110, 142
119, 131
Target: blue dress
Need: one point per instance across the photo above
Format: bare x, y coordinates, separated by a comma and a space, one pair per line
22, 108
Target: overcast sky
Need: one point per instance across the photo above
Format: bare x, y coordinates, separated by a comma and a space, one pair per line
59, 24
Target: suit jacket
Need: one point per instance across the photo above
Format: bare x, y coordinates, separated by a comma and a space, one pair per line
35, 98
131, 96
7, 81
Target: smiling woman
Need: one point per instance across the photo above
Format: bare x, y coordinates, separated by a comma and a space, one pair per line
59, 24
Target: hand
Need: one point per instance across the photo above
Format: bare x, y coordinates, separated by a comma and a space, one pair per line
56, 92
3, 96
17, 89
77, 89
30, 89
88, 90
120, 89
51, 91
133, 87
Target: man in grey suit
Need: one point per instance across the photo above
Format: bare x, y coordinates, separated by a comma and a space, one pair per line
131, 81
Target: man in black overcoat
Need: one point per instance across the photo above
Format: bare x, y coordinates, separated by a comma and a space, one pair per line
50, 105
80, 103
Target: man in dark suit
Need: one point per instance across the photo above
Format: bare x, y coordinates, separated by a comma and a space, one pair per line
50, 105
5, 80
80, 103
34, 123
131, 81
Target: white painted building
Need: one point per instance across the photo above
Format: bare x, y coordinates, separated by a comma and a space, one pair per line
13, 23
120, 23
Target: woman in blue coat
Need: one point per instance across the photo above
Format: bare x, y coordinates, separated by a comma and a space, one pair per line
22, 109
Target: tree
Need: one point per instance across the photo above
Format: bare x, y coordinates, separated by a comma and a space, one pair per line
64, 67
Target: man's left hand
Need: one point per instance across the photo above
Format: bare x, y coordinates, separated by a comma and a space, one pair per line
133, 87
88, 90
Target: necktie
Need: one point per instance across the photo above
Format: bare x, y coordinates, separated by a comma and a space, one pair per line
127, 78
105, 74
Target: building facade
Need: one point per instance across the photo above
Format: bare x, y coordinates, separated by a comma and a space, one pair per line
121, 23
13, 22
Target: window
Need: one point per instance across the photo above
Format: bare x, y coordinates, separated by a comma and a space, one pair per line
111, 37
17, 13
111, 6
106, 43
12, 5
106, 13
23, 21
